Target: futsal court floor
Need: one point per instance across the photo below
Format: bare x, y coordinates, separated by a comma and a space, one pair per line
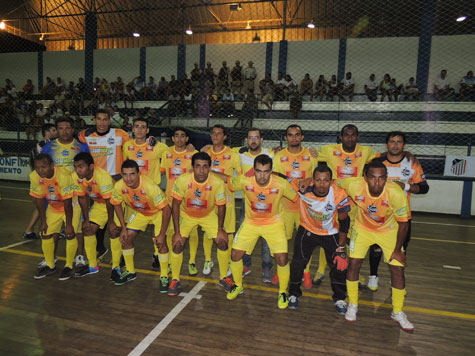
91, 316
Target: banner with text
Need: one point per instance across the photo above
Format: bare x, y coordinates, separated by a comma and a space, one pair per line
15, 168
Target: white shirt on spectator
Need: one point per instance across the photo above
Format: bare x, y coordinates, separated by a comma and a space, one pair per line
250, 73
348, 82
228, 97
442, 83
371, 85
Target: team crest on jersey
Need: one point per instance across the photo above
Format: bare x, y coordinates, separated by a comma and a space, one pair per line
328, 207
305, 158
348, 161
284, 159
143, 192
261, 197
89, 189
136, 197
406, 172
372, 209
131, 148
295, 165
169, 155
111, 140
359, 198
249, 188
208, 188
65, 153
274, 191
149, 148
227, 157
187, 156
358, 154
197, 193
125, 191
50, 189
216, 162
385, 203
337, 153
139, 154
177, 162
91, 141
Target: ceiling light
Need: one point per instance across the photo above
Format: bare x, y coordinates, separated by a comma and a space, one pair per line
42, 37
461, 18
311, 24
189, 31
136, 34
248, 26
235, 7
2, 25
256, 38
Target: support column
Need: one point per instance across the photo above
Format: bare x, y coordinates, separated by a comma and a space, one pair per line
425, 43
181, 63
283, 47
90, 46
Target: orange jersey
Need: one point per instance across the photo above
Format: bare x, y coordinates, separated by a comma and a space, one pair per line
295, 166
98, 188
227, 161
106, 149
174, 164
147, 198
377, 214
146, 156
343, 164
199, 199
55, 189
263, 204
319, 214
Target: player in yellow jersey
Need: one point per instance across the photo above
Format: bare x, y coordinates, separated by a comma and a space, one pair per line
294, 162
263, 194
175, 161
381, 218
53, 184
97, 184
147, 157
146, 204
196, 197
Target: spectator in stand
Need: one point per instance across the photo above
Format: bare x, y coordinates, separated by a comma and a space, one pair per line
48, 90
412, 90
129, 95
291, 87
11, 90
78, 123
69, 90
332, 88
442, 89
371, 88
186, 88
210, 77
385, 87
60, 87
236, 79
150, 89
222, 82
126, 125
35, 126
92, 107
295, 105
467, 86
151, 116
173, 86
396, 89
105, 87
76, 104
306, 86
120, 87
250, 76
268, 94
139, 87
28, 89
81, 86
113, 92
96, 85
162, 89
174, 103
279, 86
55, 111
263, 82
228, 107
41, 111
250, 107
347, 87
195, 77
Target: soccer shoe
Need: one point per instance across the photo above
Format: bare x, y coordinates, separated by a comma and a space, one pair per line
293, 302
163, 284
307, 280
266, 276
43, 272
226, 283
31, 236
351, 311
283, 301
42, 263
174, 287
192, 270
401, 318
208, 266
246, 271
115, 275
341, 307
66, 274
80, 261
85, 270
319, 278
362, 283
275, 279
125, 277
234, 292
122, 262
373, 283
155, 263
102, 253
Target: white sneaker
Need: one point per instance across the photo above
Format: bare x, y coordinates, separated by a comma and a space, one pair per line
350, 314
42, 263
373, 283
401, 318
341, 307
207, 267
80, 261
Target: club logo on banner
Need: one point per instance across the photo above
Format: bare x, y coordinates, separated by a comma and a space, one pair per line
459, 166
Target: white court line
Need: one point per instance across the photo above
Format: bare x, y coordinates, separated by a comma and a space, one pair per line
150, 338
434, 223
15, 244
6, 186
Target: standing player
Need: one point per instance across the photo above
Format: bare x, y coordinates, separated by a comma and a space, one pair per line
195, 197
146, 204
97, 184
381, 218
147, 157
320, 205
294, 162
53, 185
408, 174
263, 194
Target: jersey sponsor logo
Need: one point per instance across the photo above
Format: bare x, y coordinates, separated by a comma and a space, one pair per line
261, 208
372, 209
196, 203
208, 188
316, 215
125, 191
216, 162
295, 165
261, 197
131, 148
360, 198
406, 172
305, 158
274, 191
402, 211
346, 172
177, 162
136, 197
75, 148
176, 172
337, 153
295, 174
227, 157
143, 192
139, 154
358, 154
52, 197
92, 195
50, 189
169, 155
284, 159
187, 156
106, 187
249, 188
91, 141
378, 219
138, 205
149, 148
111, 140
385, 203
197, 193
216, 169
65, 153
344, 202
348, 161
329, 207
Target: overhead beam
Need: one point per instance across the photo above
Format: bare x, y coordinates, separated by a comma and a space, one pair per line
295, 12
216, 17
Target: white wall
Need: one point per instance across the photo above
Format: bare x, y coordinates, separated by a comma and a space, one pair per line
312, 57
69, 65
113, 63
161, 62
396, 56
444, 197
19, 67
454, 53
192, 57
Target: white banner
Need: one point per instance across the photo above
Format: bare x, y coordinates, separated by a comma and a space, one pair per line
15, 168
460, 166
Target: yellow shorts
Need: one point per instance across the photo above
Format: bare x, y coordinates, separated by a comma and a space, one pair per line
230, 219
247, 236
55, 220
291, 221
209, 225
362, 239
138, 221
98, 215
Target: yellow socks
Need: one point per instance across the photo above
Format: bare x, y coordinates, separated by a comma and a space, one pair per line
129, 259
207, 247
398, 299
236, 268
322, 262
71, 248
90, 244
307, 269
163, 259
47, 245
223, 258
176, 261
155, 248
352, 290
193, 241
116, 251
284, 275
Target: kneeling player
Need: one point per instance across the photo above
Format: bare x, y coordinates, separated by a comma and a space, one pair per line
195, 196
54, 184
146, 204
320, 204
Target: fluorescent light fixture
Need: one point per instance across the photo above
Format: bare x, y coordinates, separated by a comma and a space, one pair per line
136, 34
311, 24
2, 25
248, 26
461, 18
42, 37
189, 31
256, 38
